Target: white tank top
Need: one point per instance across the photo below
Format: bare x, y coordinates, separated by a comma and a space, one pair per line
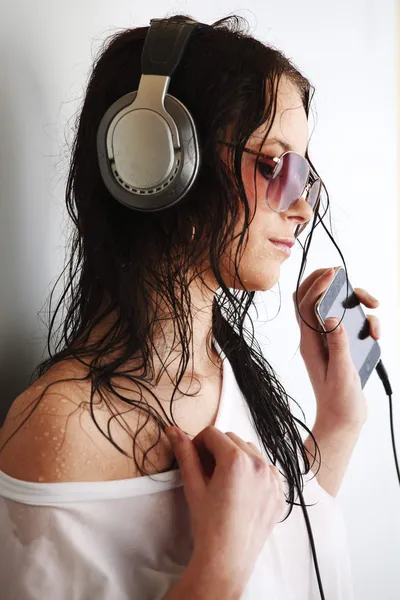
131, 540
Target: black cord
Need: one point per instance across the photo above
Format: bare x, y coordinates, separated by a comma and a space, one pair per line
311, 537
380, 369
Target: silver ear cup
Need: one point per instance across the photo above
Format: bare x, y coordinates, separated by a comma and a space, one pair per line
139, 164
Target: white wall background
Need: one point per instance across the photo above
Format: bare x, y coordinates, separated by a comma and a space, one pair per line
349, 52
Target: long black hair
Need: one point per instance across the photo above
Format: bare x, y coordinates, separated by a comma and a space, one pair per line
121, 259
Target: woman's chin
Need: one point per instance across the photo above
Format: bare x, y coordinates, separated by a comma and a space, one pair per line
261, 282
259, 277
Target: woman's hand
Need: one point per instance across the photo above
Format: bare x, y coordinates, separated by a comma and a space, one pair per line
334, 378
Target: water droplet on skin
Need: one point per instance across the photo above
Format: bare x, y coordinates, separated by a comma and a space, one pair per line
58, 475
46, 433
55, 438
41, 479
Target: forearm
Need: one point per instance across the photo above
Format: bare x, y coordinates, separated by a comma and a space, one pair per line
200, 582
336, 444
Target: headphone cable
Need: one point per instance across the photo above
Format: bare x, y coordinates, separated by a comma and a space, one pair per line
380, 369
311, 537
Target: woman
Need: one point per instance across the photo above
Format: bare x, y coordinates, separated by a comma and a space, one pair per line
91, 504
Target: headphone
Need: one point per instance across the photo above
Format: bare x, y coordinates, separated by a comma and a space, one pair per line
147, 142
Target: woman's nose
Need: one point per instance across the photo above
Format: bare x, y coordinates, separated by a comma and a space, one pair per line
300, 211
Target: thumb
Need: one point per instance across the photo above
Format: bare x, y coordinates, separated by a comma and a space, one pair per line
337, 341
189, 464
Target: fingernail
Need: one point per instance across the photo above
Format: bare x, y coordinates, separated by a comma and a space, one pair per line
329, 272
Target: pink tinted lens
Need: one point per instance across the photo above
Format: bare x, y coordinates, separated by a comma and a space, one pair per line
312, 199
313, 193
288, 183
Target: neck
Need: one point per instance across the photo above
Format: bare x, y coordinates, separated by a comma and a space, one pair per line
203, 359
202, 354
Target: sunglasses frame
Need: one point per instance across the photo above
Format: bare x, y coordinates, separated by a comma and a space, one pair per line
277, 160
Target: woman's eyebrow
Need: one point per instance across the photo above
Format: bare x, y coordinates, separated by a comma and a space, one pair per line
286, 147
270, 141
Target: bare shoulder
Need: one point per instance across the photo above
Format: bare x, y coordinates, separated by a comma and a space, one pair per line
55, 438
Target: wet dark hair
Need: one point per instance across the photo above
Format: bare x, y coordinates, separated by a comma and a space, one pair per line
120, 258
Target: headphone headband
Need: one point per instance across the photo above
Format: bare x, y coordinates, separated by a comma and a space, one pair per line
165, 44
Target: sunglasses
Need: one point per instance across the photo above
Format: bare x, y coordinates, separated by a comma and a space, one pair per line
288, 180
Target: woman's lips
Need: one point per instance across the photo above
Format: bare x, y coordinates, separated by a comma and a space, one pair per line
283, 246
